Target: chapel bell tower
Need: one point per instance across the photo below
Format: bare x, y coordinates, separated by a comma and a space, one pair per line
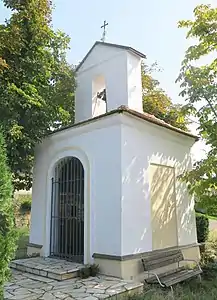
109, 76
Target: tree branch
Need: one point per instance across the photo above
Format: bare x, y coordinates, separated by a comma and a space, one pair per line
211, 106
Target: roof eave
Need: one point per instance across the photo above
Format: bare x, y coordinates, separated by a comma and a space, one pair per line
123, 109
126, 48
164, 125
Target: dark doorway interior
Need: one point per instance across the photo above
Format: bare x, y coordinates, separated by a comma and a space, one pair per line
67, 212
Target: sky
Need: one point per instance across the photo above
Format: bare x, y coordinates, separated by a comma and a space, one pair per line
150, 26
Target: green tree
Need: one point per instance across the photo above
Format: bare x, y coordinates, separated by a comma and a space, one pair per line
157, 102
7, 230
36, 83
199, 88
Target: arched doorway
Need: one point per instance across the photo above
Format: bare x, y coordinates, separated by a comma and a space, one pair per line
67, 211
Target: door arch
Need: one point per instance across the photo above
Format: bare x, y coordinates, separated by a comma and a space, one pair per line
67, 211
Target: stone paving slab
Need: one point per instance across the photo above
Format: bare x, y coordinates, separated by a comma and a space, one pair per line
47, 267
29, 286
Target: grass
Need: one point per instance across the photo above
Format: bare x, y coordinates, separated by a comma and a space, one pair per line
193, 289
212, 217
208, 216
22, 242
22, 205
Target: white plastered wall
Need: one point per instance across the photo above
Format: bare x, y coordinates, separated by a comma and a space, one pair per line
142, 144
97, 145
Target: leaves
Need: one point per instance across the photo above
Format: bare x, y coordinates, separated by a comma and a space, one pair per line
36, 82
199, 88
157, 103
7, 231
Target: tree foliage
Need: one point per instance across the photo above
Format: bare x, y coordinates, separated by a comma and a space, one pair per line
7, 231
202, 225
199, 88
157, 102
36, 83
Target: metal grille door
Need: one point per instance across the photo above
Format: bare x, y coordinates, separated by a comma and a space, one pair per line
67, 211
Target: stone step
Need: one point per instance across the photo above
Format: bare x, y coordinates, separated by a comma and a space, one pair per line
48, 267
28, 286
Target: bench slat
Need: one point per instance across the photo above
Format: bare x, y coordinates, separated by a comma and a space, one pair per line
152, 264
152, 279
181, 277
177, 276
161, 254
167, 279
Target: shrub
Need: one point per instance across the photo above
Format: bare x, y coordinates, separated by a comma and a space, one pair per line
94, 270
209, 250
202, 223
89, 270
26, 204
84, 272
22, 202
22, 208
8, 234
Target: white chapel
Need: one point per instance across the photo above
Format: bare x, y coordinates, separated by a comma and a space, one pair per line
106, 189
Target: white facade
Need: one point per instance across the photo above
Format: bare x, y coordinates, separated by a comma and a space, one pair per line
116, 70
87, 143
116, 152
143, 144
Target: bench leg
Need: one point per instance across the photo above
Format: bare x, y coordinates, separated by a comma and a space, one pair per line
200, 278
172, 292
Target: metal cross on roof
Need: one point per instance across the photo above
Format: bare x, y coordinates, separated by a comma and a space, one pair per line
104, 31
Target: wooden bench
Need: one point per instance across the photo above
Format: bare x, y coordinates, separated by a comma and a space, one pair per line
169, 278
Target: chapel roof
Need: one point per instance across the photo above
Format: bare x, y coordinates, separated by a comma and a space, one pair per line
144, 116
127, 48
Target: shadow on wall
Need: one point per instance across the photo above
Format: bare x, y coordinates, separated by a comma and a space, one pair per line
163, 206
185, 208
173, 222
172, 206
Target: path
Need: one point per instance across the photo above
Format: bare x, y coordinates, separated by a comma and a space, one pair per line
29, 286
